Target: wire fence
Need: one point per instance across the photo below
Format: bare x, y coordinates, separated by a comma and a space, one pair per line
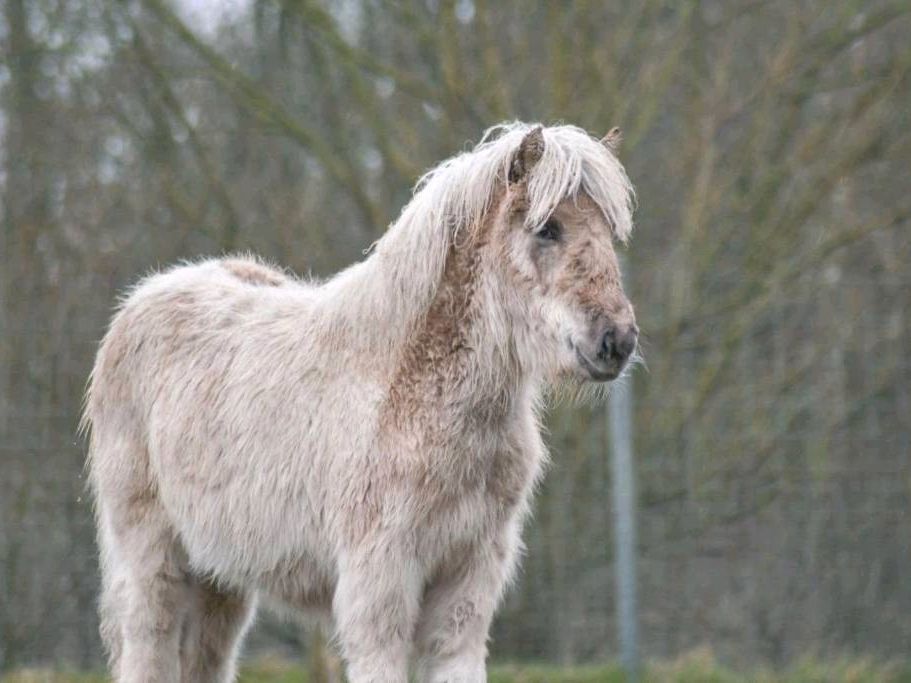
775, 521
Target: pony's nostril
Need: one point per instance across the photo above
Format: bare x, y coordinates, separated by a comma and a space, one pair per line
618, 344
626, 344
607, 343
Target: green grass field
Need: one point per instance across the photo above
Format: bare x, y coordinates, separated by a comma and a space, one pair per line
697, 667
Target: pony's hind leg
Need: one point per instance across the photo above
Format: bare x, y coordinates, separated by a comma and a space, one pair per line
145, 591
213, 630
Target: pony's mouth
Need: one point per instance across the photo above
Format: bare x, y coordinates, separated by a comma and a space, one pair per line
597, 371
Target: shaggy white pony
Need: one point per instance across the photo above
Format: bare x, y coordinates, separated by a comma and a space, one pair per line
363, 447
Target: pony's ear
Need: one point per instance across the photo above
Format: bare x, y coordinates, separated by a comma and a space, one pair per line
529, 153
613, 139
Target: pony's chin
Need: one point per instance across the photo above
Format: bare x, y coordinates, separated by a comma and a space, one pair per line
596, 371
575, 374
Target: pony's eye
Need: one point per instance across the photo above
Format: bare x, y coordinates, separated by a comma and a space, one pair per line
550, 231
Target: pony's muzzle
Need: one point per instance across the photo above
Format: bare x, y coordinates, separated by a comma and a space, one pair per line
618, 343
612, 349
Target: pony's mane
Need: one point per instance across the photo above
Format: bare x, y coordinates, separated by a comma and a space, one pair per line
453, 198
457, 193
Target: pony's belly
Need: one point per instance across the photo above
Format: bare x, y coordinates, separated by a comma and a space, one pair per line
239, 549
239, 528
305, 584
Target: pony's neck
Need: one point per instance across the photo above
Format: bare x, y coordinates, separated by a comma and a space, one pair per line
457, 364
436, 324
424, 272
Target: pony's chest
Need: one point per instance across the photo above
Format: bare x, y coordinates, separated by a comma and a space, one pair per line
471, 504
469, 462
483, 473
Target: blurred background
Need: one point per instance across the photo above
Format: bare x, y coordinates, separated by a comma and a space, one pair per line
769, 143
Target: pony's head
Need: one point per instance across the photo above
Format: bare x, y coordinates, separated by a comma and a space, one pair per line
566, 201
526, 222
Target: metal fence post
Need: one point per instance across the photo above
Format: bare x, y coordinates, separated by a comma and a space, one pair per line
624, 504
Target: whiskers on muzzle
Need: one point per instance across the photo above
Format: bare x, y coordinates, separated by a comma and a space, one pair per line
573, 392
636, 359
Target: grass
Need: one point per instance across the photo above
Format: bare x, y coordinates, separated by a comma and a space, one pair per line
697, 667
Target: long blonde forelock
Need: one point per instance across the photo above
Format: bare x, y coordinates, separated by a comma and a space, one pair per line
457, 193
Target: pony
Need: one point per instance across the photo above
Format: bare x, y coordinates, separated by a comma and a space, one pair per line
364, 448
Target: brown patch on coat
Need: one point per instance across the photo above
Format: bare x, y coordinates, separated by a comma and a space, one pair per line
253, 273
435, 359
419, 415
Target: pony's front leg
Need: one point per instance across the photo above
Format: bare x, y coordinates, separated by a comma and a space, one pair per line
375, 608
451, 636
